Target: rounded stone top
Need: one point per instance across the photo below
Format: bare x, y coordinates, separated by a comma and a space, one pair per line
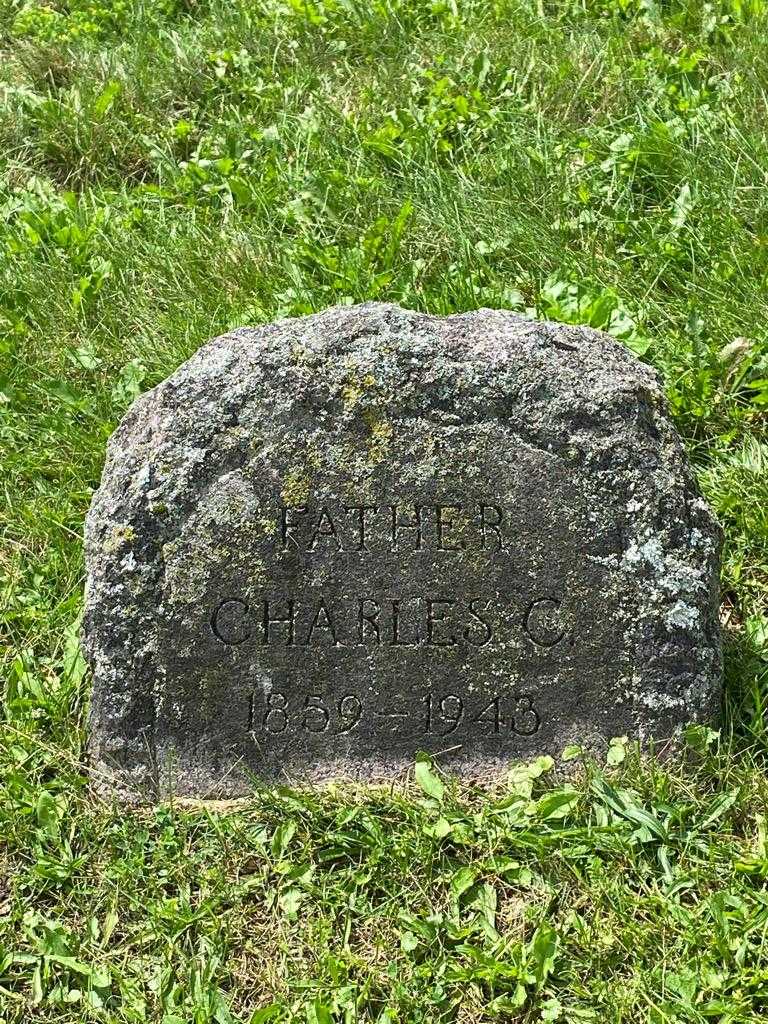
323, 544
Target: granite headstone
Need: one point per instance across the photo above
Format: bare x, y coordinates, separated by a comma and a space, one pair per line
328, 543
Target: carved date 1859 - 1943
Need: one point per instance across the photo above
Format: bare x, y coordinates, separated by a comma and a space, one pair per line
433, 714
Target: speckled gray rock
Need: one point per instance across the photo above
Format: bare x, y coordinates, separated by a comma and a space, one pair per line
326, 544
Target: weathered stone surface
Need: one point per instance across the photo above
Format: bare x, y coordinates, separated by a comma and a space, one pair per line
331, 542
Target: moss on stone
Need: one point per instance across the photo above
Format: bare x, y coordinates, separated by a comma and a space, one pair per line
381, 435
120, 536
355, 388
296, 488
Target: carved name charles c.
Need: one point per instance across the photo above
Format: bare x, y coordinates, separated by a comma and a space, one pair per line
371, 622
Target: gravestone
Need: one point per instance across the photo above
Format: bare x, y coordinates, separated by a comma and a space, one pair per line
326, 544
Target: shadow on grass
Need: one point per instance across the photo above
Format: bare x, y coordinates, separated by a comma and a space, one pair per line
745, 699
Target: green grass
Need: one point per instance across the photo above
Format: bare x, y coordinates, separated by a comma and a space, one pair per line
169, 170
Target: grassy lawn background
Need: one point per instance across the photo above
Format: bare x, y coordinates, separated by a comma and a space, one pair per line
169, 170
